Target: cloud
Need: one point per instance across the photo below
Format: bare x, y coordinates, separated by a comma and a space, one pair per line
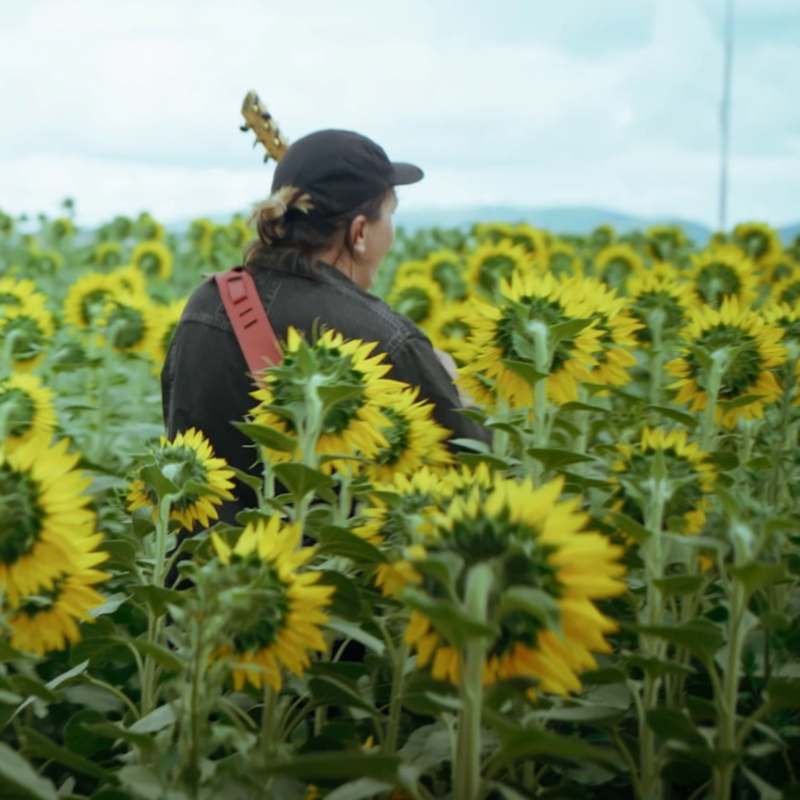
135, 104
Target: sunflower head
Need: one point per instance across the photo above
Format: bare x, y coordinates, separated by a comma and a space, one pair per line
447, 268
331, 390
660, 304
148, 229
720, 272
683, 469
490, 264
201, 482
602, 236
153, 258
418, 297
451, 328
107, 255
87, 297
273, 608
745, 348
759, 241
26, 332
538, 548
128, 324
168, 319
201, 234
239, 234
20, 294
6, 224
616, 263
62, 228
666, 242
129, 280
562, 260
26, 409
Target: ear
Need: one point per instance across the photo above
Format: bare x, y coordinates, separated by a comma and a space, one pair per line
358, 235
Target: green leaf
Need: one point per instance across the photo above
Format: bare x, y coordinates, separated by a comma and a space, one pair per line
474, 460
346, 602
536, 743
701, 636
157, 597
33, 687
162, 717
554, 457
357, 633
114, 731
475, 414
38, 745
81, 741
583, 714
471, 444
337, 692
360, 789
338, 541
445, 567
679, 416
759, 573
256, 484
336, 766
565, 330
156, 480
603, 676
19, 779
266, 437
679, 585
339, 393
724, 460
740, 402
759, 464
535, 602
783, 693
204, 490
167, 659
524, 370
631, 527
765, 791
575, 406
300, 479
454, 624
669, 723
657, 667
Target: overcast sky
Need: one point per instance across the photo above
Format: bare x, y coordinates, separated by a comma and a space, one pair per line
127, 105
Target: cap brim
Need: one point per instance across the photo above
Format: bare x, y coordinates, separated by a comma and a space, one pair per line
405, 174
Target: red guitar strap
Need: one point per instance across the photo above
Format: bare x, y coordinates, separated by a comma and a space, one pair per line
249, 319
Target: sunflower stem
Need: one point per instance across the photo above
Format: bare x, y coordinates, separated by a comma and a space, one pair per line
467, 761
542, 360
655, 322
715, 375
396, 704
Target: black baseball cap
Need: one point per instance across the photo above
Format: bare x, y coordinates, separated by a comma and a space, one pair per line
340, 170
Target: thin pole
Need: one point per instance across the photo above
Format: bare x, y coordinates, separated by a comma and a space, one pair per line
725, 116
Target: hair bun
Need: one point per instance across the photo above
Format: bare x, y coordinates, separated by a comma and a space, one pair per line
269, 215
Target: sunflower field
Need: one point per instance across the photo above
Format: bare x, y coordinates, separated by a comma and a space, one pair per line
601, 604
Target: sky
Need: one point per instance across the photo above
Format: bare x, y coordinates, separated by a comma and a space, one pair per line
132, 105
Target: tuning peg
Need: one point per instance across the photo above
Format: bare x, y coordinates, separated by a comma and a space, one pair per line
255, 142
266, 158
266, 115
244, 128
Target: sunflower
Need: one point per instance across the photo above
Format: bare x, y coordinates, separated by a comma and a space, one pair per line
45, 262
615, 264
239, 234
787, 290
6, 224
31, 329
26, 409
492, 232
753, 352
723, 271
618, 334
539, 543
414, 438
778, 268
49, 619
282, 623
128, 324
507, 333
787, 318
410, 269
46, 527
447, 268
107, 255
603, 236
153, 258
759, 241
20, 294
689, 471
189, 457
418, 297
664, 242
201, 234
658, 301
87, 297
129, 280
534, 241
168, 319
490, 264
350, 426
62, 228
148, 229
562, 259
451, 327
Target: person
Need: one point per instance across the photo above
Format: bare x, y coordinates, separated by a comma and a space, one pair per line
321, 237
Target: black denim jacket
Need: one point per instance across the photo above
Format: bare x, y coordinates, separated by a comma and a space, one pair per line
205, 383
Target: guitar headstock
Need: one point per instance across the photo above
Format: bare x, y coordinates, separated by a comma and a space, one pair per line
260, 121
